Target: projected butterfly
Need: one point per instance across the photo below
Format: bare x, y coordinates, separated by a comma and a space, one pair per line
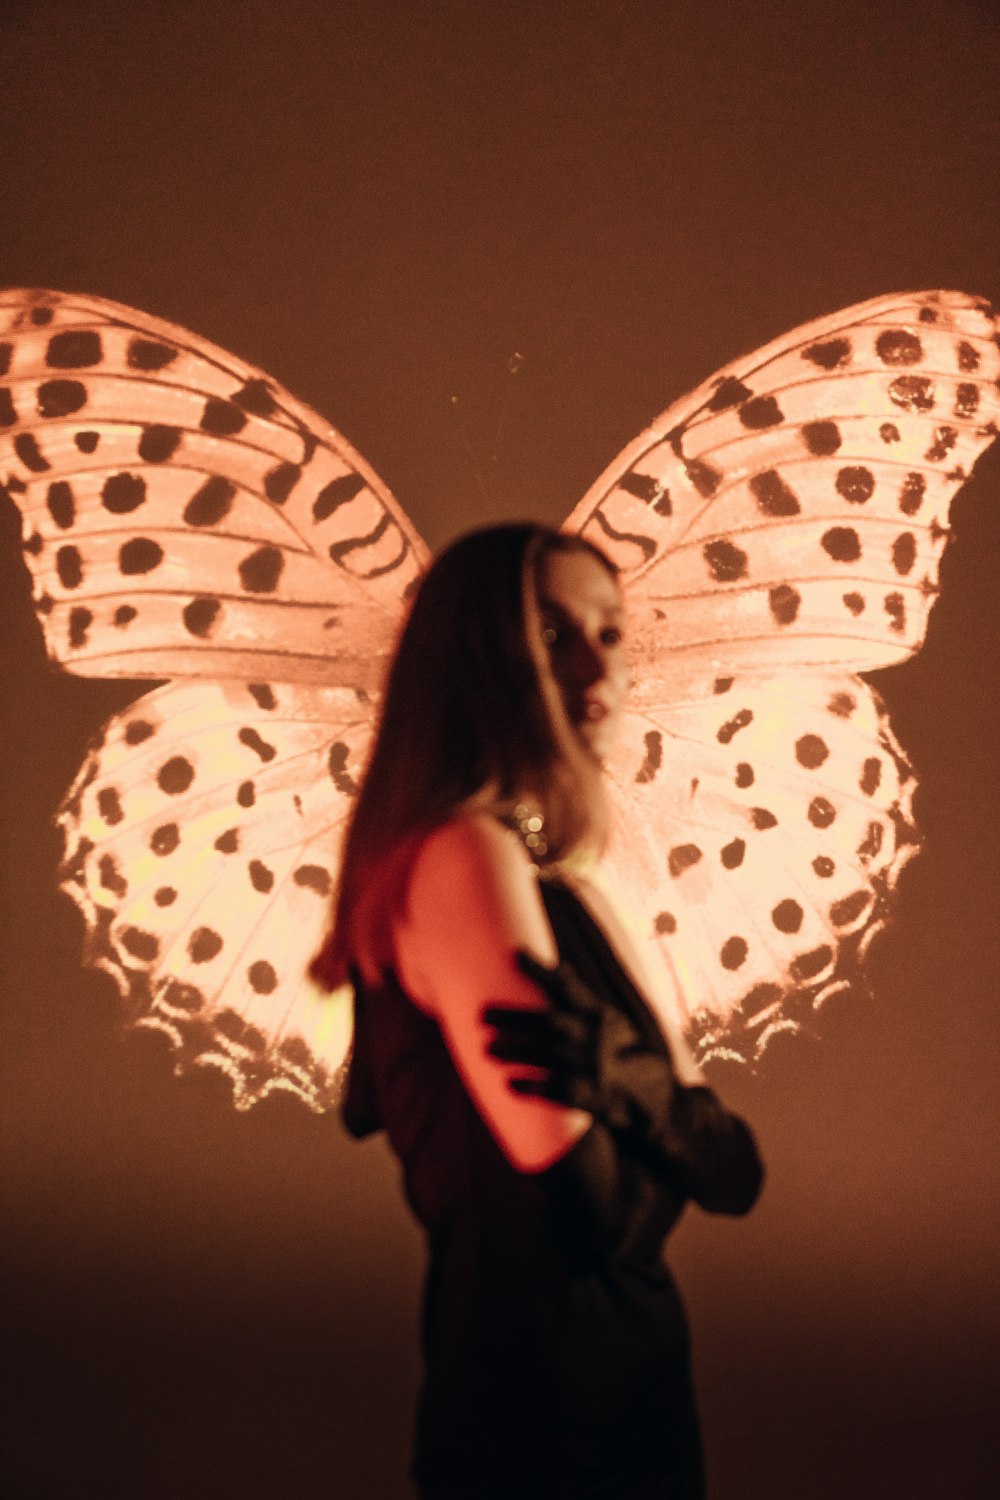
778, 531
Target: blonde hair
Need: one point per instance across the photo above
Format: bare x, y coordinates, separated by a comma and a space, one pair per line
471, 710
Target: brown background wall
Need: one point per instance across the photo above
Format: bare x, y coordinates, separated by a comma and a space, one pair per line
381, 203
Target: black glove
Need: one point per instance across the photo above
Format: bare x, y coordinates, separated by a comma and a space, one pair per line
594, 1059
592, 1055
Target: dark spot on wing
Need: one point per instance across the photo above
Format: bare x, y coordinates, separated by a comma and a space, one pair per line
313, 878
140, 555
335, 494
121, 493
175, 775
808, 965
967, 399
774, 497
682, 857
228, 842
111, 877
159, 443
337, 767
912, 393
211, 503
871, 776
139, 944
221, 418
821, 438
733, 953
200, 615
263, 695
109, 805
259, 573
944, 440
703, 476
726, 562
257, 744
904, 552
912, 493
842, 543
263, 979
897, 346
60, 398
728, 392
256, 398
69, 567
280, 481
821, 812
732, 726
823, 866
732, 854
762, 818
889, 432
27, 449
784, 602
80, 621
137, 730
787, 916
811, 751
744, 775
761, 412
149, 354
246, 794
261, 878
895, 608
856, 484
74, 349
855, 603
664, 923
61, 505
828, 354
849, 908
204, 944
125, 614
968, 356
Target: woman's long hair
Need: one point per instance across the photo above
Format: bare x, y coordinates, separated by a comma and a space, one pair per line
470, 706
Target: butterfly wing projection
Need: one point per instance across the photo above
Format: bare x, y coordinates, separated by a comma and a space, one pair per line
779, 531
184, 518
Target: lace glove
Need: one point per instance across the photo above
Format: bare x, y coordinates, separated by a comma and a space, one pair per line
593, 1058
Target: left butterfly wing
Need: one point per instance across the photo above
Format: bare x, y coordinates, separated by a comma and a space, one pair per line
776, 530
185, 517
183, 514
201, 837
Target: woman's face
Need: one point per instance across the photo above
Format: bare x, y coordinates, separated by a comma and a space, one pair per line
582, 626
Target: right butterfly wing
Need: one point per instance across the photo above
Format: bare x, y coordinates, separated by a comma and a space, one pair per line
765, 827
183, 514
776, 529
792, 511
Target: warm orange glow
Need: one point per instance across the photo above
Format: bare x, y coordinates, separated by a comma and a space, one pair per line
778, 530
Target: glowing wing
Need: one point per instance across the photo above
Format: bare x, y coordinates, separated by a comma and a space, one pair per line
779, 530
185, 518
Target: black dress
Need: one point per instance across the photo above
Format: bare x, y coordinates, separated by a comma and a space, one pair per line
555, 1343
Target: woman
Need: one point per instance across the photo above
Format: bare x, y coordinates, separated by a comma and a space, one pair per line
550, 1125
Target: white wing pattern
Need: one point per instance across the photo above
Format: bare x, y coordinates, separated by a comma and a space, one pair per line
779, 530
185, 518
